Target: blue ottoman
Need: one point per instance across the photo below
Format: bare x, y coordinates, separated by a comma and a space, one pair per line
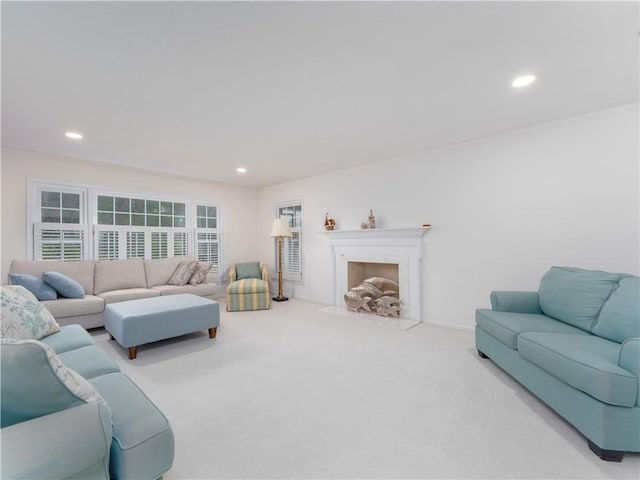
147, 320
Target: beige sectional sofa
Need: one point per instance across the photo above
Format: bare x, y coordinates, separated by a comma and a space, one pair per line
110, 281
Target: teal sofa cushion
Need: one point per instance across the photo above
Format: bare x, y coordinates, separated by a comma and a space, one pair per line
90, 361
248, 270
619, 318
143, 443
506, 326
68, 338
575, 296
586, 362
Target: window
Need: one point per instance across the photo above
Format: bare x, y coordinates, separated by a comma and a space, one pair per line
292, 248
57, 217
207, 236
73, 222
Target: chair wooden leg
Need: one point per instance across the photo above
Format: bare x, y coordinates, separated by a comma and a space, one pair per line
133, 352
212, 332
111, 337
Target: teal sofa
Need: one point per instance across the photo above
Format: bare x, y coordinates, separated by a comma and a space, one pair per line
91, 424
575, 344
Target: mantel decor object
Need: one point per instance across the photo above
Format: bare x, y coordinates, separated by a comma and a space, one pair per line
329, 223
371, 223
280, 230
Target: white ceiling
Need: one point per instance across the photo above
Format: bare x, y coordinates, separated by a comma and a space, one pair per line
290, 90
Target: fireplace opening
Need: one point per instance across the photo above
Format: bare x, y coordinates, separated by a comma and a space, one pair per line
383, 290
358, 272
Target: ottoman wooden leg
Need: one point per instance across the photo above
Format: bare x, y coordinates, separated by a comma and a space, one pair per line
133, 352
111, 337
212, 332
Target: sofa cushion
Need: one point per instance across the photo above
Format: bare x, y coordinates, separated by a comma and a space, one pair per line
81, 271
119, 274
143, 444
586, 362
90, 361
575, 296
72, 307
65, 285
35, 382
183, 273
248, 285
128, 294
202, 289
158, 272
23, 316
35, 285
68, 338
619, 318
506, 326
248, 270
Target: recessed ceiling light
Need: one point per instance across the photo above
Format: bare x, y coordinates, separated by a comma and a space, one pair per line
241, 170
523, 81
74, 135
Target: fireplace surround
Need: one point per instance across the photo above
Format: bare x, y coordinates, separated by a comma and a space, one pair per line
396, 246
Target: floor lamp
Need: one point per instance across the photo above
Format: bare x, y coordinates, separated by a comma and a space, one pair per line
280, 230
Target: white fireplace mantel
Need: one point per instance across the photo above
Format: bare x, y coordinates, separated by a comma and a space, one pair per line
401, 246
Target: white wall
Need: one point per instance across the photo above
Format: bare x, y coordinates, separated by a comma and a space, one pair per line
239, 204
503, 210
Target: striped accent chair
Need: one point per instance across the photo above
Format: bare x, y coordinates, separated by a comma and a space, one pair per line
248, 293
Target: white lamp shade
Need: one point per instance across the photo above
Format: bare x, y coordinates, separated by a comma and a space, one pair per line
280, 228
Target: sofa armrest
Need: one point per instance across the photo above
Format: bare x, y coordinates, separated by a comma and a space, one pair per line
69, 442
264, 269
232, 273
629, 359
517, 302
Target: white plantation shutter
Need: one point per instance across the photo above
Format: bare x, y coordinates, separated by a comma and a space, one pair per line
107, 245
292, 258
159, 244
208, 249
54, 241
180, 243
135, 244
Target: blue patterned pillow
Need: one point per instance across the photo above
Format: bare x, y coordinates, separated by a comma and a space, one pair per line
23, 316
41, 290
65, 286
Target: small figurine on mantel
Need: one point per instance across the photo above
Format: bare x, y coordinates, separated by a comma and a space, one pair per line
371, 223
329, 223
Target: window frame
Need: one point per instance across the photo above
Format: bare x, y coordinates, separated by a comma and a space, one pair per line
287, 275
89, 220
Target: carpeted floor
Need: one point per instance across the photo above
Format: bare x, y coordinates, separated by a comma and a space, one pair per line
294, 392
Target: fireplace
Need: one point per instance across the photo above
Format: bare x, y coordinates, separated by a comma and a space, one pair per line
391, 253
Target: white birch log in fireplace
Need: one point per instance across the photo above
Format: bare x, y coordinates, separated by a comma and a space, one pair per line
375, 294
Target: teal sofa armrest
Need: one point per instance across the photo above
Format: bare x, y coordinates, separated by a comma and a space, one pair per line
514, 301
71, 443
629, 359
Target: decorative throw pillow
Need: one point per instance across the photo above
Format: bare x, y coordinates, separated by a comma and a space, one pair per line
200, 273
182, 273
64, 285
23, 316
248, 270
42, 290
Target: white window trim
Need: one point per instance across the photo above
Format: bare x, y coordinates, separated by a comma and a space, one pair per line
286, 277
89, 216
34, 210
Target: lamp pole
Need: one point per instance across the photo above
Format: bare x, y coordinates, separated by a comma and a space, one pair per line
280, 297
